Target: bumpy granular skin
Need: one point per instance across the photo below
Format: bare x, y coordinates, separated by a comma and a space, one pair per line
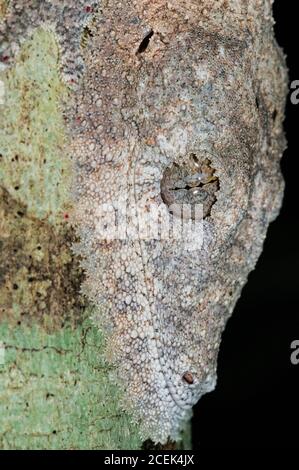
164, 82
169, 90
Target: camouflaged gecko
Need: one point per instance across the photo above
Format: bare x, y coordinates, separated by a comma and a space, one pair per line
181, 103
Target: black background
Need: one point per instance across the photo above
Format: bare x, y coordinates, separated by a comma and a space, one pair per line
256, 401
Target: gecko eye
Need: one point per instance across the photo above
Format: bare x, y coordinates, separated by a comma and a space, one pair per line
190, 184
188, 378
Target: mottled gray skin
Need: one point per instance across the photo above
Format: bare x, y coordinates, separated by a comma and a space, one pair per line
210, 81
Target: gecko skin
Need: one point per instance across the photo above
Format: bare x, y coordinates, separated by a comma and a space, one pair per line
180, 102
171, 90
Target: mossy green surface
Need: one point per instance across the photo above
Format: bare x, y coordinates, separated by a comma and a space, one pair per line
33, 167
56, 392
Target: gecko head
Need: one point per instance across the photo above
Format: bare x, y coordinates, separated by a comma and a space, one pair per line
176, 186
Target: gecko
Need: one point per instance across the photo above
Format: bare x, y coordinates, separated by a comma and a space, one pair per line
178, 103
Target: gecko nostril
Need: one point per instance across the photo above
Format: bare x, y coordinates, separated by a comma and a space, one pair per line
145, 42
188, 378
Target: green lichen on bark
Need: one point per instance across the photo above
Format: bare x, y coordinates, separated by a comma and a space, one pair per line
56, 391
33, 168
39, 277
